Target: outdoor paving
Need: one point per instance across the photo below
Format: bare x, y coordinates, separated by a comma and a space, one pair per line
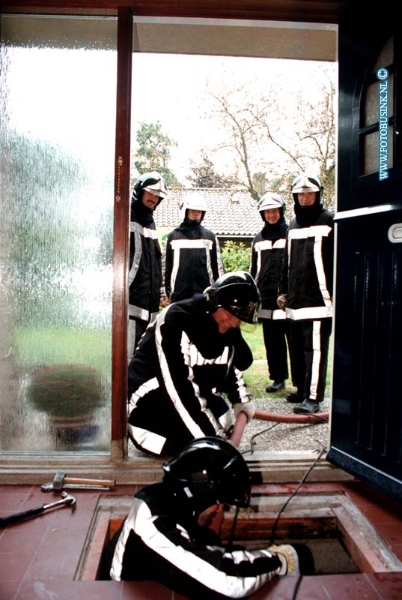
274, 436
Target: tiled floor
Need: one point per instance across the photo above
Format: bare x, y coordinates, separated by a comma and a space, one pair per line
39, 557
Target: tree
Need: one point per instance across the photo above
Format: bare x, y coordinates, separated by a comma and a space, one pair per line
274, 135
153, 152
239, 121
313, 145
206, 176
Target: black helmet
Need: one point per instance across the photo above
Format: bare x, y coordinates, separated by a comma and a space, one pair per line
206, 472
306, 183
152, 182
237, 293
268, 201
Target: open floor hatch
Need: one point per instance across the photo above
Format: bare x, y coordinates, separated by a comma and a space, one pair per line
340, 537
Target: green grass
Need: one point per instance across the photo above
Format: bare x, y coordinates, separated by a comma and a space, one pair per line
256, 377
57, 345
256, 341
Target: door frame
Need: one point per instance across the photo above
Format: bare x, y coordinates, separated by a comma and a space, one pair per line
266, 466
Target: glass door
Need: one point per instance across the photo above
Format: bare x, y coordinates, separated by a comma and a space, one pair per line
57, 136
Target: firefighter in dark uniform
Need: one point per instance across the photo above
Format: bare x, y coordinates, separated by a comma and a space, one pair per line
186, 374
306, 292
193, 259
267, 255
145, 268
167, 535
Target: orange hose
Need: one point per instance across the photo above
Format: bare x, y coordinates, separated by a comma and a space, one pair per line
285, 418
238, 429
235, 439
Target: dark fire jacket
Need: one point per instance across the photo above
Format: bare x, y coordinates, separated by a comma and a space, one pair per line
192, 260
158, 541
145, 268
266, 266
308, 270
181, 366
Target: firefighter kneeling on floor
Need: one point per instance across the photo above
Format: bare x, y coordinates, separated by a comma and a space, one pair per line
186, 374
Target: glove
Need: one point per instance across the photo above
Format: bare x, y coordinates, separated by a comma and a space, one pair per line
281, 301
163, 301
288, 557
247, 407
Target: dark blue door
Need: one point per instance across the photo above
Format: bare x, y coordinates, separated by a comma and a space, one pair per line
366, 420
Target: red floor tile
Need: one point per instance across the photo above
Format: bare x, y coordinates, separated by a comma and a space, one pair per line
300, 587
39, 557
391, 533
146, 590
31, 532
14, 565
8, 589
76, 590
58, 555
352, 587
388, 585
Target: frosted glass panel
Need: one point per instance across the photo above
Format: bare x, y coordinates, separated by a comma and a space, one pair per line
57, 132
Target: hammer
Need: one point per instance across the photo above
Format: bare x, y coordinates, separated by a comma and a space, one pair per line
66, 500
61, 481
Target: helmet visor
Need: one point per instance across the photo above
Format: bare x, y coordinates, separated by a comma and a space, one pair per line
157, 189
241, 300
305, 184
246, 313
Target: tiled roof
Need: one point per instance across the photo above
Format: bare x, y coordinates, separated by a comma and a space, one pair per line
231, 213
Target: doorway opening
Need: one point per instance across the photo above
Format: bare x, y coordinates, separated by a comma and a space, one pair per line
231, 78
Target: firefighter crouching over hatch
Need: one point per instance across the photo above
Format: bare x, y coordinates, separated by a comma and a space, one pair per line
167, 535
188, 357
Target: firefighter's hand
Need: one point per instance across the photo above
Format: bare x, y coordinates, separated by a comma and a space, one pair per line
281, 301
288, 557
247, 407
163, 301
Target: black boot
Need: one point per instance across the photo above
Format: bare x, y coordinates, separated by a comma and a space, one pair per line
307, 407
275, 386
294, 398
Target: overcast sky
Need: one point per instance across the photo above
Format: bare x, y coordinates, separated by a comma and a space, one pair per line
59, 95
172, 91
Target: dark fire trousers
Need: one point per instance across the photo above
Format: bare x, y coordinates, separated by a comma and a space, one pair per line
309, 347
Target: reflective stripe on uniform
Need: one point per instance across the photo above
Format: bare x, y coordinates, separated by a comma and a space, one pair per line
138, 231
148, 440
318, 232
143, 390
138, 312
186, 244
259, 247
275, 315
317, 356
141, 520
311, 312
185, 416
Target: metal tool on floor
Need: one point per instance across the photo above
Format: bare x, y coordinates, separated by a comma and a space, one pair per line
66, 500
62, 482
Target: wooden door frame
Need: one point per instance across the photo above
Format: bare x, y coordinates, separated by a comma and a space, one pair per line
269, 466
